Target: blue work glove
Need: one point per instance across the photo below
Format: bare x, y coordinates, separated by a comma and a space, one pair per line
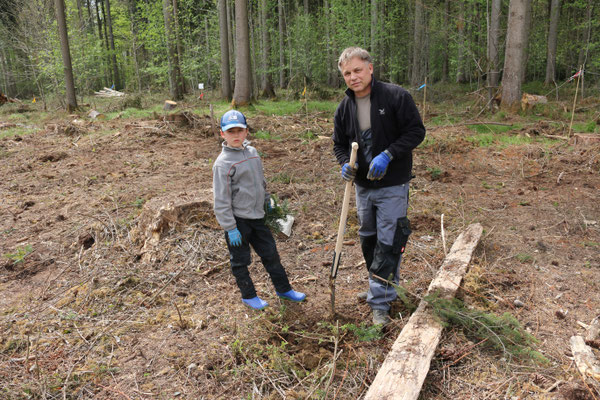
235, 237
349, 173
379, 166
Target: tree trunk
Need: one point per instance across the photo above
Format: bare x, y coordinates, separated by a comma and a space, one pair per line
253, 78
134, 40
179, 47
493, 43
224, 41
446, 55
207, 51
583, 53
90, 18
552, 40
242, 93
266, 85
110, 78
113, 55
80, 16
418, 64
66, 55
230, 29
374, 40
329, 58
461, 76
525, 60
174, 72
514, 55
281, 46
98, 21
4, 71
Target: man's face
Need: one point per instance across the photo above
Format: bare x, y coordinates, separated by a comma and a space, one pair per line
357, 74
235, 136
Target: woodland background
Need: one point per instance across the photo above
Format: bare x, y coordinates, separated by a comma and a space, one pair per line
250, 48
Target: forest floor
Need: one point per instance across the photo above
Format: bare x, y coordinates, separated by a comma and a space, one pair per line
87, 312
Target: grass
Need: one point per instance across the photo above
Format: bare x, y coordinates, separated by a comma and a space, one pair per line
17, 131
586, 127
280, 108
20, 254
134, 113
484, 128
524, 258
266, 135
491, 139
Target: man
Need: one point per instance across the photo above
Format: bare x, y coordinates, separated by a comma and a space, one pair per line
384, 120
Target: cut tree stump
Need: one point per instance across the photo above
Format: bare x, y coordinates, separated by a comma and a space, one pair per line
405, 368
169, 105
586, 362
161, 214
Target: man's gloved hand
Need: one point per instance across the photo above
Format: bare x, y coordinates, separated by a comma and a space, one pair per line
268, 206
349, 173
379, 166
235, 237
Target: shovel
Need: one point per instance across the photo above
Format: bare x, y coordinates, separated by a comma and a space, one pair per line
340, 235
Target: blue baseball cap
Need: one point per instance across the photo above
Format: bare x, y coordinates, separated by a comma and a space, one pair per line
233, 119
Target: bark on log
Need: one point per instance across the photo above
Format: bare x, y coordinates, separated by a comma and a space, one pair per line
593, 330
405, 368
586, 362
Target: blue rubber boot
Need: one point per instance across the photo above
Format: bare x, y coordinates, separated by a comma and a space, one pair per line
256, 302
292, 295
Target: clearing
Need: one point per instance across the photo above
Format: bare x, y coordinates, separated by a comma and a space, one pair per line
87, 311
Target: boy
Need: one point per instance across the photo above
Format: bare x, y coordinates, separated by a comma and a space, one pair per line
240, 199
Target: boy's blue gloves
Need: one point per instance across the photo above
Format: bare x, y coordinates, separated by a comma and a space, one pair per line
235, 237
379, 166
349, 173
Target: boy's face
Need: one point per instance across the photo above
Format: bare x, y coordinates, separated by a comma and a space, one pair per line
235, 136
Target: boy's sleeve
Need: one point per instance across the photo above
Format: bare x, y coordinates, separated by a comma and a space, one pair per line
222, 199
262, 170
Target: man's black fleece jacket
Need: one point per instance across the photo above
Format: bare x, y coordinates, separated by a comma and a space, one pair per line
396, 126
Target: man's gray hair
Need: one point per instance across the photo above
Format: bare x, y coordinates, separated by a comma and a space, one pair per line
351, 52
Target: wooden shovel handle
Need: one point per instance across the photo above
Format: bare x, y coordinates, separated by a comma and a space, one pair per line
344, 216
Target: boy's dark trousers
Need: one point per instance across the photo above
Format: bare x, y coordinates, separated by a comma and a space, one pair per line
256, 234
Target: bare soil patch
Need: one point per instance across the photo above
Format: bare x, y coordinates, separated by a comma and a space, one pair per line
85, 315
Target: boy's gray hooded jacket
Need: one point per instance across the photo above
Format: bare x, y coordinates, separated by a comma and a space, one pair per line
239, 186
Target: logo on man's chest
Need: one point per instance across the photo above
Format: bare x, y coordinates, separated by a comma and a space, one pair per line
382, 111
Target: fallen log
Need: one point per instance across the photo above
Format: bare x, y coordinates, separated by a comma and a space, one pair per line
405, 368
108, 92
586, 362
593, 330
